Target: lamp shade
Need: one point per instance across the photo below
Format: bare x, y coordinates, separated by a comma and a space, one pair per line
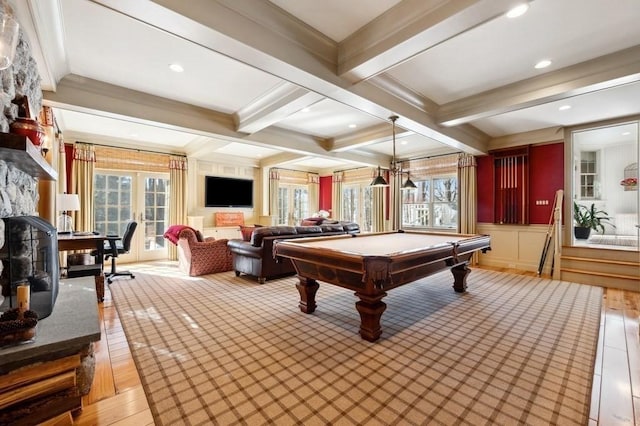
408, 185
379, 180
68, 202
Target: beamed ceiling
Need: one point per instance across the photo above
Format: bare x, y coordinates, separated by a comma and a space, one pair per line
311, 84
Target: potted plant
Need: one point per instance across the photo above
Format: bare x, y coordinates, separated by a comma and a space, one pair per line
588, 218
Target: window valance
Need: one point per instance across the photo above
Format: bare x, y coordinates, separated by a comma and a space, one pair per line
295, 177
359, 175
112, 158
424, 167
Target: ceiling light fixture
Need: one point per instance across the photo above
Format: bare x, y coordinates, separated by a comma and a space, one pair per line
543, 64
353, 126
393, 167
564, 107
176, 68
518, 10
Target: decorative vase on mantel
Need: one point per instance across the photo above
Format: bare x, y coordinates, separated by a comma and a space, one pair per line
30, 128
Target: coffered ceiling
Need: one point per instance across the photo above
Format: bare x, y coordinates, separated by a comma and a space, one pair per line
311, 84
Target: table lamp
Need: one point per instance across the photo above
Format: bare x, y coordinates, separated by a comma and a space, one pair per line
66, 202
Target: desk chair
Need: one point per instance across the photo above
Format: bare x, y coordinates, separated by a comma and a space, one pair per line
115, 246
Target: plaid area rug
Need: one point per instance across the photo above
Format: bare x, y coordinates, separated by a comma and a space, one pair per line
221, 349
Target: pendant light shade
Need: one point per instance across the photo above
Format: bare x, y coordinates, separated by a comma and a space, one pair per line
379, 180
394, 169
408, 185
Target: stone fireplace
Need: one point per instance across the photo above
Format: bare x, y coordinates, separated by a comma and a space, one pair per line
63, 346
18, 183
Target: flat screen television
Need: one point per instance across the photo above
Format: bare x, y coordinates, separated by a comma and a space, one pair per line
227, 192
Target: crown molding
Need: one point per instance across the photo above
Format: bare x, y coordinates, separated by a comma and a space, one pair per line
605, 72
41, 22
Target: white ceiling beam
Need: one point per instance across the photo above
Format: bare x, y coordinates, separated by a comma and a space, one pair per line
305, 145
605, 72
95, 97
275, 105
76, 93
408, 29
280, 159
202, 146
261, 35
369, 136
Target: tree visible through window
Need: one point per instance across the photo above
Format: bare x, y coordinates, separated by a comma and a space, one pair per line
112, 198
293, 204
357, 205
434, 204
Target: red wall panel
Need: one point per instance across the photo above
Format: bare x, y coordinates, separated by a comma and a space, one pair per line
485, 188
546, 176
68, 155
325, 193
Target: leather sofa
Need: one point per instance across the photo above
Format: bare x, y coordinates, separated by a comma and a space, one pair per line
255, 257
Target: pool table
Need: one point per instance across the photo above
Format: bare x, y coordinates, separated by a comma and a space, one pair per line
373, 263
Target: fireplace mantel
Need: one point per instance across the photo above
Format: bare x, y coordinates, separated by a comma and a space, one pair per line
24, 154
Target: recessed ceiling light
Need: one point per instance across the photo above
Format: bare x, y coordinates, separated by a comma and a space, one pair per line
305, 109
564, 107
353, 126
543, 64
626, 133
518, 10
403, 142
176, 68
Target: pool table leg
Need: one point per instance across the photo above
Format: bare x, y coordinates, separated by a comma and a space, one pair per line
307, 289
370, 309
460, 273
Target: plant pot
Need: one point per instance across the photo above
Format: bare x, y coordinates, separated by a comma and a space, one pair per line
581, 233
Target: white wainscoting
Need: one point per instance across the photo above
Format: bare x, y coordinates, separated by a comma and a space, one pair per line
515, 247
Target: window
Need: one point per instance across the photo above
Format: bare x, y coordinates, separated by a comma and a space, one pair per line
113, 196
293, 204
121, 196
589, 181
357, 205
434, 204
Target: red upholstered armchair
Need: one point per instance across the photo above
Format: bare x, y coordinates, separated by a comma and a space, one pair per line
202, 257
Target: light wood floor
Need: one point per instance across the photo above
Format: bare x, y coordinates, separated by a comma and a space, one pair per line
117, 398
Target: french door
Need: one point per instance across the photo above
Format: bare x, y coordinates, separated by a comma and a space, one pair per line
144, 197
293, 204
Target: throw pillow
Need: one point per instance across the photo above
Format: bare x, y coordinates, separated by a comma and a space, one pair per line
312, 221
246, 232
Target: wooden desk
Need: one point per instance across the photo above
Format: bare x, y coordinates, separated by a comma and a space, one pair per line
87, 242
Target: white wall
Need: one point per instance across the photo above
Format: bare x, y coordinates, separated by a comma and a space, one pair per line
515, 247
198, 169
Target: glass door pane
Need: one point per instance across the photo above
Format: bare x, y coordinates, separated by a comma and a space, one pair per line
120, 197
155, 219
113, 199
